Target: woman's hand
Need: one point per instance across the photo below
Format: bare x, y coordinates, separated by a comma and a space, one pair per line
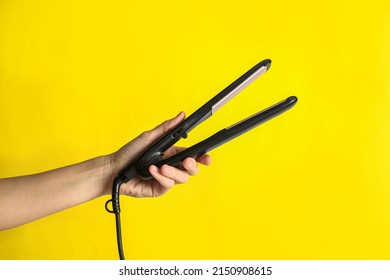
165, 177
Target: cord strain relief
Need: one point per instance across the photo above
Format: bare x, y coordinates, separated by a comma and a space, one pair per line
115, 195
115, 205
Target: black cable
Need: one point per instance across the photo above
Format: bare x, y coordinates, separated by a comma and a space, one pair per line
121, 179
119, 236
116, 210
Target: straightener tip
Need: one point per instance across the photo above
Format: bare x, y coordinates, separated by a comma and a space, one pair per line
266, 63
292, 99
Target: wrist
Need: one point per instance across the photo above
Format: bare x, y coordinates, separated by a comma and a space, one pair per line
104, 167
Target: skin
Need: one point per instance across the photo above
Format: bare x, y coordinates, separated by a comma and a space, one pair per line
28, 198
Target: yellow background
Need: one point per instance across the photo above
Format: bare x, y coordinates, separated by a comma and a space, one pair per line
80, 79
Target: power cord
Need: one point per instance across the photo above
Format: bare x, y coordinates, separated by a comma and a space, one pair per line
121, 179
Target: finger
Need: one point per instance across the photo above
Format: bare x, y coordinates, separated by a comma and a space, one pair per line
205, 159
191, 166
164, 181
158, 131
179, 176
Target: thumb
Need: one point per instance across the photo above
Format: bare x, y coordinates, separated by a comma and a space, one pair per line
152, 135
130, 151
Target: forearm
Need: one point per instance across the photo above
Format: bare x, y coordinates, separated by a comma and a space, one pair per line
27, 198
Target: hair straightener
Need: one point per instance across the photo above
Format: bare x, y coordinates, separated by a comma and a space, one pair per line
154, 154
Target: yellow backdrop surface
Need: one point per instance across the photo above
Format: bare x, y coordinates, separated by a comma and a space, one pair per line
80, 79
